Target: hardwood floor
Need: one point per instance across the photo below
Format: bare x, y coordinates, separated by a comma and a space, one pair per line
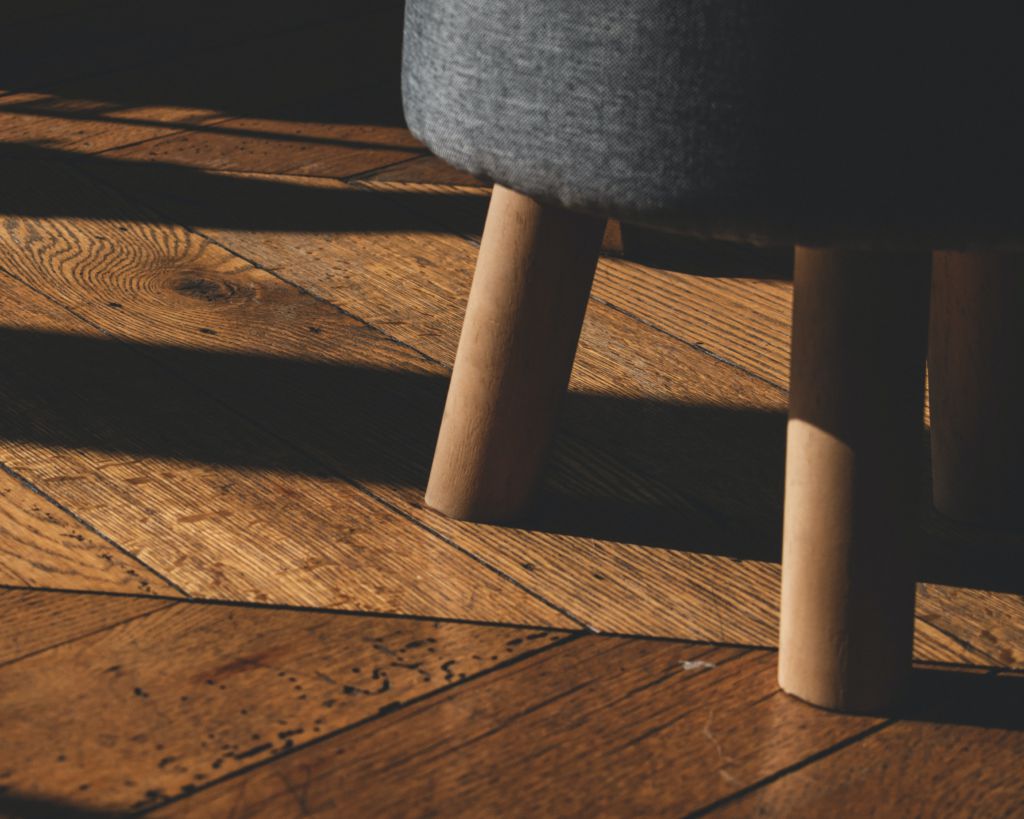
231, 286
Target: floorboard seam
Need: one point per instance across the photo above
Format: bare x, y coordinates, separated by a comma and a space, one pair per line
789, 769
296, 608
31, 487
171, 603
367, 176
147, 207
144, 206
475, 241
205, 126
393, 708
276, 435
964, 644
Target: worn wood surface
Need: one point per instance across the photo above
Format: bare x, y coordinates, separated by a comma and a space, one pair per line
661, 445
43, 546
161, 697
219, 506
597, 727
195, 286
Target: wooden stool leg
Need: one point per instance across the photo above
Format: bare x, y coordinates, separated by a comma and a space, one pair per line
852, 476
976, 381
515, 355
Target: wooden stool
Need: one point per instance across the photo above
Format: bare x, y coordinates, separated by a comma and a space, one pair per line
765, 124
855, 429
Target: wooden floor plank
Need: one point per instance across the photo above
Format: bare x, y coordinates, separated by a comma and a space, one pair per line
339, 136
425, 169
249, 403
714, 296
164, 703
597, 727
35, 621
43, 546
207, 88
643, 405
962, 757
992, 623
222, 508
246, 306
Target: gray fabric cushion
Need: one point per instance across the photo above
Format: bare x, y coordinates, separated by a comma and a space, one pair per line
773, 122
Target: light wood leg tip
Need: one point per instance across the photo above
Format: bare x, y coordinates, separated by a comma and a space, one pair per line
515, 355
855, 421
473, 510
831, 700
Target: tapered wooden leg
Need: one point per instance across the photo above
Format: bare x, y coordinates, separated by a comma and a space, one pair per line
515, 355
852, 476
976, 381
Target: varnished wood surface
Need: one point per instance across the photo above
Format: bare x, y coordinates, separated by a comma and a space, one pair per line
196, 509
621, 474
597, 727
155, 698
960, 757
623, 481
222, 368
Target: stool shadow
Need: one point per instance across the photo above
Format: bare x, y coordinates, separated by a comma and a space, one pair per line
653, 473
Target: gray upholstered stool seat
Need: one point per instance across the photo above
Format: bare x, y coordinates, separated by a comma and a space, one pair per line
867, 134
791, 122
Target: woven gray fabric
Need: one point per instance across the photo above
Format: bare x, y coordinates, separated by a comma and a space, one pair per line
771, 122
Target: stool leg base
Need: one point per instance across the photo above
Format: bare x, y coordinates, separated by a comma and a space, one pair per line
515, 355
852, 476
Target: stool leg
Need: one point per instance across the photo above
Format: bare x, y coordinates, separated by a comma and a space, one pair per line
852, 476
976, 381
515, 355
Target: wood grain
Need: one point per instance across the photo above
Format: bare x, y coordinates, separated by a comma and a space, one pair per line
426, 169
42, 545
396, 469
991, 624
412, 284
186, 695
597, 727
257, 417
730, 311
657, 538
223, 508
34, 621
